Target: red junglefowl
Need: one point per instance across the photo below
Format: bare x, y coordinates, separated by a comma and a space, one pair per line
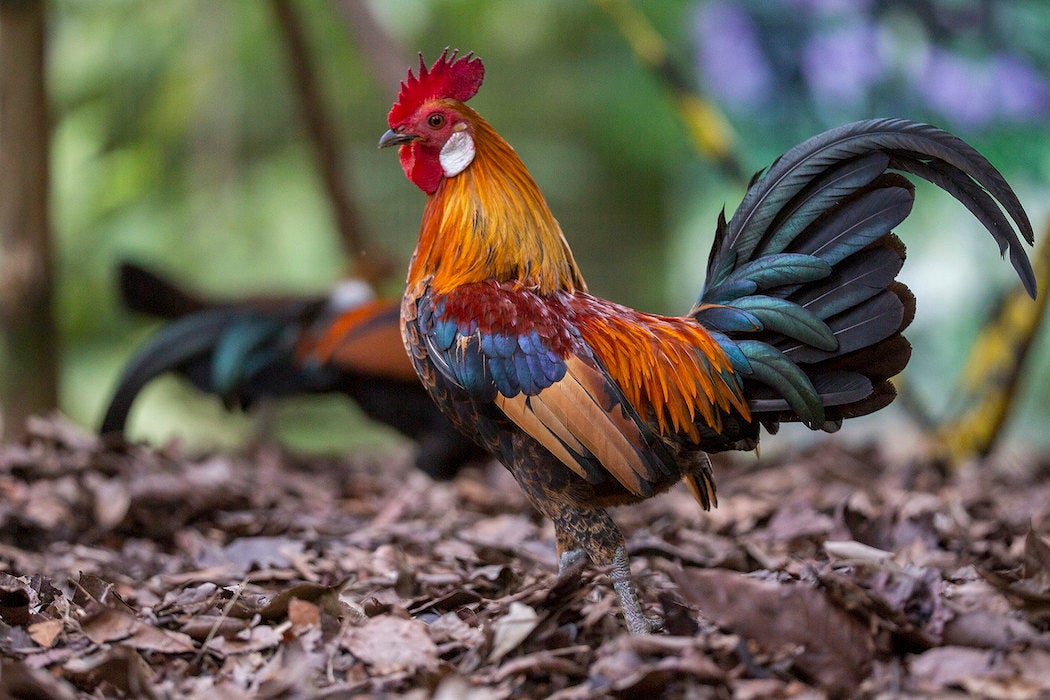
244, 351
591, 404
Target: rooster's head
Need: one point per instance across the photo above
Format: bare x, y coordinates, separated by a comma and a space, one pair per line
429, 121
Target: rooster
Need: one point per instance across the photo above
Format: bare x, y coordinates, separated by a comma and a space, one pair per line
591, 404
347, 341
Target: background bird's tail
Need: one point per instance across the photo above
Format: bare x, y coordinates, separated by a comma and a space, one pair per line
239, 352
146, 292
801, 290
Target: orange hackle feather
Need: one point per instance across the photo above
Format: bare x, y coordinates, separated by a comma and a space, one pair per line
492, 222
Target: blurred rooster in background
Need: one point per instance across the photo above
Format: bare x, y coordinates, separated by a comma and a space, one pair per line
244, 351
591, 404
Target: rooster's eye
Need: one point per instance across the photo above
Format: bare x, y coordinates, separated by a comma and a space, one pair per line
436, 120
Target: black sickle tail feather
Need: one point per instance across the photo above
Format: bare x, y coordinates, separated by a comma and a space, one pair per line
146, 292
179, 346
801, 289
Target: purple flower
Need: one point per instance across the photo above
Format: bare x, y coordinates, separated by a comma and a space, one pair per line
841, 65
831, 7
1020, 92
960, 89
730, 55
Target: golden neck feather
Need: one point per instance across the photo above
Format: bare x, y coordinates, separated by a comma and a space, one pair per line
492, 222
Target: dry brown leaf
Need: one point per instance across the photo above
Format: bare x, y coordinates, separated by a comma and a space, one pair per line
325, 597
511, 630
988, 630
253, 639
644, 666
1033, 667
111, 501
18, 680
942, 668
92, 589
45, 633
1002, 688
15, 597
505, 531
855, 551
150, 638
834, 647
544, 662
200, 627
798, 520
263, 552
462, 555
457, 687
759, 689
62, 432
120, 666
46, 506
391, 645
290, 673
303, 614
109, 625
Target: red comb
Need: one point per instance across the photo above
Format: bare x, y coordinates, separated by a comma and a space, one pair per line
448, 77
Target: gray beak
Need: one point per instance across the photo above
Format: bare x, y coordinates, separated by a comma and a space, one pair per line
396, 138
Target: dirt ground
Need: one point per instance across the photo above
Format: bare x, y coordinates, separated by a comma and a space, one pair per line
134, 572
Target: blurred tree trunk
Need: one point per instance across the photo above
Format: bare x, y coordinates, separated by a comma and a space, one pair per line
366, 261
319, 128
388, 60
27, 328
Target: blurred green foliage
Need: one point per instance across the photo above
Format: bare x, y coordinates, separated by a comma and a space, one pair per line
178, 144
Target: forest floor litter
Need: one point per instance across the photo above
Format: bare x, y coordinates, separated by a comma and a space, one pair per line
829, 571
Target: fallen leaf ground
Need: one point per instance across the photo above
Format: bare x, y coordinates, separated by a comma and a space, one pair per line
133, 572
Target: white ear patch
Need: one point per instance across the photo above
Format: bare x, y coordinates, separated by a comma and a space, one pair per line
457, 153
